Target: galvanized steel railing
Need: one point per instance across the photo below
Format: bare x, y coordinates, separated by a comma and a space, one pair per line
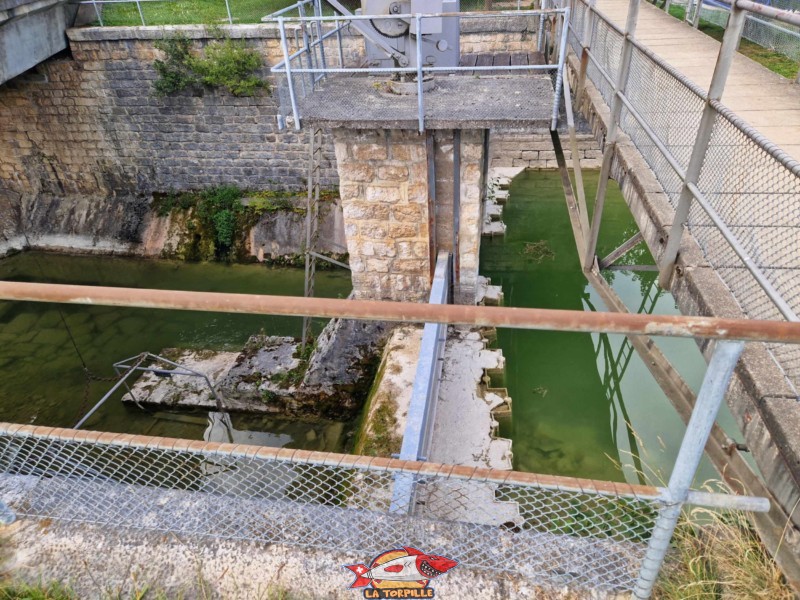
315, 49
737, 193
554, 531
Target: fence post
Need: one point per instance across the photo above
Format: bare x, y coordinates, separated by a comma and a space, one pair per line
228, 8
613, 133
290, 81
724, 60
704, 414
586, 44
420, 76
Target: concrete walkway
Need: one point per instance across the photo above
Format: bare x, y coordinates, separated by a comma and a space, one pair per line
767, 101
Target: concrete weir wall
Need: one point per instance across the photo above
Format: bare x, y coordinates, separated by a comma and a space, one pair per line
766, 410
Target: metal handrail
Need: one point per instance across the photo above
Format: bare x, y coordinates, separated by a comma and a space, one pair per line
781, 157
285, 67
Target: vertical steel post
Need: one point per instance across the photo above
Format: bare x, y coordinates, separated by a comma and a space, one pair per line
704, 414
228, 8
613, 133
586, 44
667, 5
724, 60
339, 41
290, 81
697, 11
97, 12
420, 102
323, 61
540, 31
562, 55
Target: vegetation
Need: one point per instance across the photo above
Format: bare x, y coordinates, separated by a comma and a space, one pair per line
218, 220
381, 437
287, 379
718, 555
774, 61
196, 12
538, 251
227, 64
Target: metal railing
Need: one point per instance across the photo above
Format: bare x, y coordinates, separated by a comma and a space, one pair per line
737, 193
316, 50
759, 29
555, 531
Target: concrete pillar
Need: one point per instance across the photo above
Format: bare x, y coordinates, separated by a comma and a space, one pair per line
383, 180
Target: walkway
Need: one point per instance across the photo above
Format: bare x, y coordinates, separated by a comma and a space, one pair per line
767, 101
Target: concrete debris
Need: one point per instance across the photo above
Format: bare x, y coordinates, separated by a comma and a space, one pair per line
488, 294
463, 401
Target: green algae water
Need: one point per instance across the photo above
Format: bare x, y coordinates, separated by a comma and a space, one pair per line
584, 405
41, 375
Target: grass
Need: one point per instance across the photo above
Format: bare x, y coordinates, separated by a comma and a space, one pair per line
774, 61
718, 555
193, 12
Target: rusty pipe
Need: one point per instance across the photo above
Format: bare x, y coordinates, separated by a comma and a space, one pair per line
518, 318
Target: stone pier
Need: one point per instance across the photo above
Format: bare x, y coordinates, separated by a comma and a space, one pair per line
401, 204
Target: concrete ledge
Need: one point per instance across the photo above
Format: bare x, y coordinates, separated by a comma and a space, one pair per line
158, 32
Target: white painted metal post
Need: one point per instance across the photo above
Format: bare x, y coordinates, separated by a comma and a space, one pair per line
420, 101
724, 60
97, 12
228, 8
586, 43
709, 400
290, 81
697, 11
141, 14
562, 57
613, 133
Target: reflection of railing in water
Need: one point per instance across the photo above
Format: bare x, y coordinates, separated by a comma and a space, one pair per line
615, 365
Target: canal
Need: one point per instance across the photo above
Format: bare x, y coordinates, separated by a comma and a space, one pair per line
583, 405
43, 346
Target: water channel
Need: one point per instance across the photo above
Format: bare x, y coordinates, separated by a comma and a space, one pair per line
43, 381
583, 405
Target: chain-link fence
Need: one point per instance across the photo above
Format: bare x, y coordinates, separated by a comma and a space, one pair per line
751, 188
556, 531
759, 29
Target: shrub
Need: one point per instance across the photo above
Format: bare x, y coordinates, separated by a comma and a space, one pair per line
227, 64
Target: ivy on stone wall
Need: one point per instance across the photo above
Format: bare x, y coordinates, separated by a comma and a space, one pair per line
226, 63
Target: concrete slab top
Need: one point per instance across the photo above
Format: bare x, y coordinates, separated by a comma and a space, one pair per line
454, 103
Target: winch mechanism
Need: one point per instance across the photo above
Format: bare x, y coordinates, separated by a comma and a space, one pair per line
392, 41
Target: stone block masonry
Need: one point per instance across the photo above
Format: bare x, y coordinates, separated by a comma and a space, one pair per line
93, 125
384, 191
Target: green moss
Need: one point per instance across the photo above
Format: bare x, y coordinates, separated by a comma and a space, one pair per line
381, 437
227, 64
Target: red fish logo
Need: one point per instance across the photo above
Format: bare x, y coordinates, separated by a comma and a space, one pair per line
403, 573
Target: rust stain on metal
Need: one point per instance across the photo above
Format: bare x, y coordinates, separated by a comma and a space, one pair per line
522, 318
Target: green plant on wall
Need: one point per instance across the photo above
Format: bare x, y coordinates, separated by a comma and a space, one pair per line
225, 63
